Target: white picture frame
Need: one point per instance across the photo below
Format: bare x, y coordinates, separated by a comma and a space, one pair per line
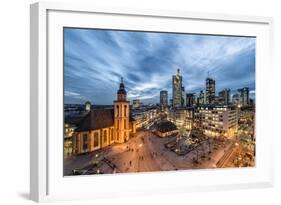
46, 179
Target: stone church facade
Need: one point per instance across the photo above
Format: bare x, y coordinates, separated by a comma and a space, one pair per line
103, 127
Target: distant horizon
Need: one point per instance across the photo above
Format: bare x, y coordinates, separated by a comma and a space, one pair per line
147, 61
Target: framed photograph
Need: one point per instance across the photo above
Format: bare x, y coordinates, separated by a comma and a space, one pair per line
127, 102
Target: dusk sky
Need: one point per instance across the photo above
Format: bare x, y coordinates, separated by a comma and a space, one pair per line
95, 60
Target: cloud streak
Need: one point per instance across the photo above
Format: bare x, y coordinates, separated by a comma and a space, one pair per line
94, 61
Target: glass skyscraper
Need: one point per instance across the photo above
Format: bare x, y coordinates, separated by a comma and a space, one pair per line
163, 99
177, 89
210, 91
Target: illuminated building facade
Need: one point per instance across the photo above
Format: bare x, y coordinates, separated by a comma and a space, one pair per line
235, 99
181, 117
163, 99
183, 98
217, 120
224, 97
210, 91
243, 96
102, 127
70, 124
145, 117
177, 89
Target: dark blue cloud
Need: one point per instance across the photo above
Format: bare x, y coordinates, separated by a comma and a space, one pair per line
95, 60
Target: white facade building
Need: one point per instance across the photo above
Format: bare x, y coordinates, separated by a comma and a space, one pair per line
217, 120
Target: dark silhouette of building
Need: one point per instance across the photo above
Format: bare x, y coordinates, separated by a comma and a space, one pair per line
210, 91
243, 96
201, 100
163, 99
224, 97
190, 99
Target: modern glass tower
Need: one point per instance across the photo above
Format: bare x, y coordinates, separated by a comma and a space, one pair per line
243, 96
210, 91
163, 99
201, 98
190, 99
177, 89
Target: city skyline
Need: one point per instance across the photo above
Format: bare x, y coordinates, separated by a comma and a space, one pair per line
147, 61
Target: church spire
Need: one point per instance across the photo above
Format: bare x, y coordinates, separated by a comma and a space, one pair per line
121, 93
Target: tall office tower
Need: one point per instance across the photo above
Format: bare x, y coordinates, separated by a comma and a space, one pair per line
183, 99
177, 89
224, 97
171, 102
136, 104
210, 91
163, 99
235, 99
190, 99
201, 98
243, 96
195, 99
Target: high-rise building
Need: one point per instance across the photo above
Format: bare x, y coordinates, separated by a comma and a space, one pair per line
136, 104
163, 99
190, 99
177, 89
183, 99
210, 91
171, 102
195, 97
251, 102
224, 97
243, 96
235, 99
201, 100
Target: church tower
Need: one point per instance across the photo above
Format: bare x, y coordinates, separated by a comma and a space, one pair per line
121, 115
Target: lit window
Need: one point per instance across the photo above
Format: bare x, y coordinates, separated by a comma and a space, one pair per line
125, 110
104, 136
85, 141
96, 139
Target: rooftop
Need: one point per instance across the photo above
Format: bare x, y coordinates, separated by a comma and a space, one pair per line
166, 126
97, 119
